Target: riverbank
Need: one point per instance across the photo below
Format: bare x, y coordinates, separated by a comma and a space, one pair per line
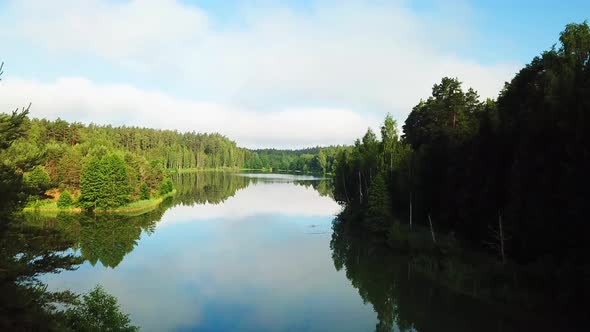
244, 170
194, 170
49, 206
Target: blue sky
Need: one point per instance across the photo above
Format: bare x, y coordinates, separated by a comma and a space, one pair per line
265, 73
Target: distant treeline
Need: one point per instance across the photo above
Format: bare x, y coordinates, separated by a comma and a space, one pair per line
319, 160
508, 175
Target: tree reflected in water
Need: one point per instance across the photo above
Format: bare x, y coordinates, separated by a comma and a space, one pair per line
108, 238
412, 293
207, 187
101, 237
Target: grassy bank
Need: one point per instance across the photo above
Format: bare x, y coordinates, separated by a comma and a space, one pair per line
49, 206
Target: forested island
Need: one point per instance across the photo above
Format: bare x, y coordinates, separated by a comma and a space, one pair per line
486, 197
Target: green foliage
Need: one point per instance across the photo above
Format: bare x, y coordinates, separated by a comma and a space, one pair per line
145, 191
521, 159
37, 180
378, 213
65, 200
313, 160
166, 186
99, 311
67, 150
69, 168
104, 183
11, 129
28, 252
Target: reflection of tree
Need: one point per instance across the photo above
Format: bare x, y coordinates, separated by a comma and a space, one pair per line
216, 187
108, 240
208, 187
105, 238
324, 186
372, 274
401, 295
26, 253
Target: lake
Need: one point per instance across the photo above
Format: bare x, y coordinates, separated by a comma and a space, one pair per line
258, 252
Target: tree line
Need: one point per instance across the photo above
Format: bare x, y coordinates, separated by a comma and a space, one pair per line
317, 160
106, 167
506, 175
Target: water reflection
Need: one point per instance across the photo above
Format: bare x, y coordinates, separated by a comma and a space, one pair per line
251, 253
261, 253
407, 293
207, 187
101, 238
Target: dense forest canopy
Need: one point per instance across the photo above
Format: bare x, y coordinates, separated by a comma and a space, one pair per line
505, 175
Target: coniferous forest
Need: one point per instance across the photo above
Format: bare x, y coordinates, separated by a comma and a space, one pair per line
505, 176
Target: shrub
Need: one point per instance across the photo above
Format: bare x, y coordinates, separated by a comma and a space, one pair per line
37, 180
166, 186
65, 200
144, 191
99, 311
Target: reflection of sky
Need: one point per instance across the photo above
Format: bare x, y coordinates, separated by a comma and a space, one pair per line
259, 198
277, 177
260, 261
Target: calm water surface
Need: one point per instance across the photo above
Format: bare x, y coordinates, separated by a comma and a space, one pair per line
249, 252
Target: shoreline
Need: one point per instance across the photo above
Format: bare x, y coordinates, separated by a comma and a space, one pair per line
142, 206
242, 170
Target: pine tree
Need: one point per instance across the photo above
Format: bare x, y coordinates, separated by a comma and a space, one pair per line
65, 200
104, 183
37, 180
91, 184
378, 215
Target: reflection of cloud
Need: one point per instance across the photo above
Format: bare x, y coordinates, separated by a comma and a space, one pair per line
259, 198
247, 264
143, 291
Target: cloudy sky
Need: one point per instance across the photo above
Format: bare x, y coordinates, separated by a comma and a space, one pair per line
264, 73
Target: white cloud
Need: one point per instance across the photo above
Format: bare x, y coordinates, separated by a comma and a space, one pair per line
76, 99
350, 58
134, 32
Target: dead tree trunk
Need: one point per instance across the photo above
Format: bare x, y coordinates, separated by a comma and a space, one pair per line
431, 229
345, 191
410, 210
501, 239
498, 239
360, 188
